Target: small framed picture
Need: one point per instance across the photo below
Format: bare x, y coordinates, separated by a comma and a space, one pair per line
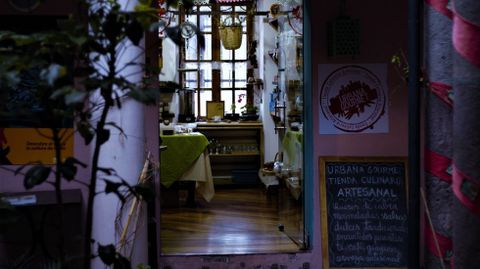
215, 110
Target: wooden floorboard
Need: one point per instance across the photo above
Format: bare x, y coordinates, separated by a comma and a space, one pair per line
236, 221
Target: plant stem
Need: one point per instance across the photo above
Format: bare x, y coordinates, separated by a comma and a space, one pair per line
106, 94
58, 193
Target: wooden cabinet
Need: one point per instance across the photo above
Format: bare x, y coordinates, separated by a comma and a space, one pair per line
236, 151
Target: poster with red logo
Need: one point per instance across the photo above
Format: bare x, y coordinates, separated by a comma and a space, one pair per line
353, 99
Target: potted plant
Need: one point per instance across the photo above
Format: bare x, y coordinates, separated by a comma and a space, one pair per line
232, 116
250, 112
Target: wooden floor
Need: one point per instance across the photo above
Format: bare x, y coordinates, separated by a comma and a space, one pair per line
236, 221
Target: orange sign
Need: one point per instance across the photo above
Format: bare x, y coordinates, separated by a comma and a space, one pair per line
24, 145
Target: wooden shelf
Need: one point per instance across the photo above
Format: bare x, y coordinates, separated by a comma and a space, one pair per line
229, 125
236, 154
238, 167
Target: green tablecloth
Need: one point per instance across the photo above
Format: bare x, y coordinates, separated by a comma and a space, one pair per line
292, 145
182, 151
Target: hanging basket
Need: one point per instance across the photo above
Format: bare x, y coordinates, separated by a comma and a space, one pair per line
231, 33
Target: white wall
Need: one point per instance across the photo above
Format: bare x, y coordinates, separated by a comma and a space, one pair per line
126, 154
267, 70
169, 71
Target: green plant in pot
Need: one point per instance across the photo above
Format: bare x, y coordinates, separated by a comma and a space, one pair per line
250, 112
232, 116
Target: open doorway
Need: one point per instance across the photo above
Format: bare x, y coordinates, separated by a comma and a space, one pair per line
232, 130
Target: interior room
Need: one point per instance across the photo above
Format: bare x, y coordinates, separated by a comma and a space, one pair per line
231, 128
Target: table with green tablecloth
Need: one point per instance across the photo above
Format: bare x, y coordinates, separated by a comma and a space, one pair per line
186, 159
293, 158
293, 146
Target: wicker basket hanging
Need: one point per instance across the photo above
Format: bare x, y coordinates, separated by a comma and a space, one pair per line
231, 32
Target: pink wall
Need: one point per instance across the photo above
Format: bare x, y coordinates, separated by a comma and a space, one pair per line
383, 30
383, 33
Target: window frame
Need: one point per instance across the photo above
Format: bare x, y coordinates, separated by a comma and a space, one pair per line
216, 47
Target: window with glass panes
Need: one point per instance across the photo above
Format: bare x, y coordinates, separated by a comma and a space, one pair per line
217, 74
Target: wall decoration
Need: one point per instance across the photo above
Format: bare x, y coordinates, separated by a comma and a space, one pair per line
353, 99
28, 145
364, 212
215, 109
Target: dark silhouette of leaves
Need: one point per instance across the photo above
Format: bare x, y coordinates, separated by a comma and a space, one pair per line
107, 254
112, 26
85, 131
174, 33
144, 191
115, 188
122, 262
107, 171
103, 135
134, 31
146, 96
36, 175
69, 169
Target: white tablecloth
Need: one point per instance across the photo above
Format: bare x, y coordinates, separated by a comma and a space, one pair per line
201, 173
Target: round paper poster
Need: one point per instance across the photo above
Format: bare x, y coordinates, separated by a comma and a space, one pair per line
352, 98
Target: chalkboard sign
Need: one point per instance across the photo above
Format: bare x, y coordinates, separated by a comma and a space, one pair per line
364, 212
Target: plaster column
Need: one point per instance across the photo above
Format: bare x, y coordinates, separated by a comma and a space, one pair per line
125, 154
466, 134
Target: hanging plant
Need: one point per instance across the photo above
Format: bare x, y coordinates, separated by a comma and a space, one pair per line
231, 32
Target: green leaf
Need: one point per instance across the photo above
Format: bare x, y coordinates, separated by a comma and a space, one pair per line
172, 3
122, 263
3, 155
112, 27
145, 2
60, 92
107, 254
75, 97
115, 125
174, 34
117, 100
36, 175
143, 266
69, 169
144, 191
188, 5
23, 40
85, 131
168, 86
145, 96
79, 40
115, 188
112, 186
134, 31
156, 25
52, 73
107, 171
103, 135
94, 46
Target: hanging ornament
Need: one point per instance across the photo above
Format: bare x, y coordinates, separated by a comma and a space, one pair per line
187, 30
201, 2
